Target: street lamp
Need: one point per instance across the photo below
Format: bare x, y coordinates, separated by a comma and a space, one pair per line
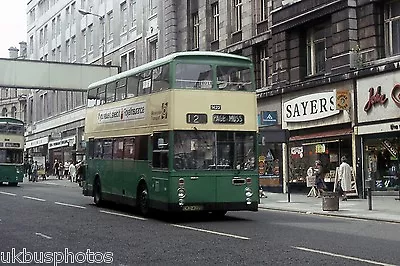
84, 12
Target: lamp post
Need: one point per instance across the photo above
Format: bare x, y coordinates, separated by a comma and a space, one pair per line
84, 12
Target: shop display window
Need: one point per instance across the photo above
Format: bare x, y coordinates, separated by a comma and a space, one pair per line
302, 155
382, 162
270, 164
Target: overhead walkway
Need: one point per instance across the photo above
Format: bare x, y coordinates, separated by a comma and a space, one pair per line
45, 75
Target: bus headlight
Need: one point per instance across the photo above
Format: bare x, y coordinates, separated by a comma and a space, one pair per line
181, 202
181, 193
248, 192
248, 201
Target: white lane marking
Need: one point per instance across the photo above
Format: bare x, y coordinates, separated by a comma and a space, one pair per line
70, 205
50, 183
7, 193
33, 198
344, 256
211, 232
125, 215
43, 235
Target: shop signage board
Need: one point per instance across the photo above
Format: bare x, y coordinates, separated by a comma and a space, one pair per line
378, 97
268, 118
36, 142
62, 142
310, 107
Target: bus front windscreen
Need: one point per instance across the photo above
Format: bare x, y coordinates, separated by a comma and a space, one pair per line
220, 150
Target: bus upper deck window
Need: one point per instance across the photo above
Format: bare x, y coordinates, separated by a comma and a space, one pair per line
233, 78
193, 76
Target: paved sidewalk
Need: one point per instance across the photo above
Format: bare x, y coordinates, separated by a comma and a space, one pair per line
52, 180
384, 208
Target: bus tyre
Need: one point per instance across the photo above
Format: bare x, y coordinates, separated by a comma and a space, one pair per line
98, 200
13, 184
143, 200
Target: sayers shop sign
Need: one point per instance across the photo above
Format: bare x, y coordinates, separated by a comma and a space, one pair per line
310, 107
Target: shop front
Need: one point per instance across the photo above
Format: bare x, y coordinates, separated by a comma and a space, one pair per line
379, 129
62, 150
271, 142
320, 126
36, 150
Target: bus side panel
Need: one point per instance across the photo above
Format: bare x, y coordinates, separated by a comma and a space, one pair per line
159, 190
133, 172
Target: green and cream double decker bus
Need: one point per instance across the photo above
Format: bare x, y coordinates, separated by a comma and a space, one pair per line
177, 134
11, 150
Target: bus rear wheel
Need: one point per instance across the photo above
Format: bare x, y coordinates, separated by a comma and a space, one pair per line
97, 197
143, 200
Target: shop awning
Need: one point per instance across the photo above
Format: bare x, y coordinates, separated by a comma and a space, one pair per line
326, 134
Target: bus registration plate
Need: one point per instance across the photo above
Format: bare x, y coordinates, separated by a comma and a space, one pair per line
193, 208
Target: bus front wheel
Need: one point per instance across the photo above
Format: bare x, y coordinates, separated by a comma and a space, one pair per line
13, 184
143, 200
97, 192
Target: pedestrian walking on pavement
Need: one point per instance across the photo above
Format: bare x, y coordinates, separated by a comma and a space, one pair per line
72, 171
345, 174
319, 178
35, 169
56, 168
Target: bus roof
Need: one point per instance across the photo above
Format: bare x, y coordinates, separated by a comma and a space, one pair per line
165, 60
6, 119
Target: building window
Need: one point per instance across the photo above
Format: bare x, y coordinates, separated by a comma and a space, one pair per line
215, 22
73, 49
84, 42
128, 61
90, 38
4, 112
53, 29
132, 13
31, 48
14, 112
316, 50
68, 51
195, 30
124, 17
110, 26
53, 54
153, 49
237, 15
59, 54
58, 25
67, 17
152, 7
73, 15
263, 73
392, 28
41, 38
263, 8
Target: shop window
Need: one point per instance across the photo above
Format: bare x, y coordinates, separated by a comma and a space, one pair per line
304, 154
